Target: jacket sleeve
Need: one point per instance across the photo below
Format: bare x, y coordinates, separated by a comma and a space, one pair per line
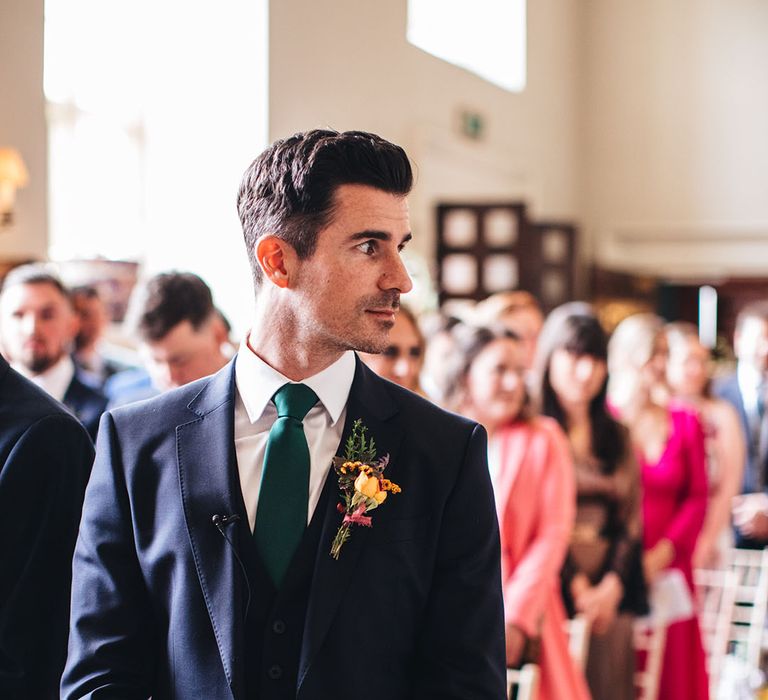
42, 482
112, 638
461, 652
536, 575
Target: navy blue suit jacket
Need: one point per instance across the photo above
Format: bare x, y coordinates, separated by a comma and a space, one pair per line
727, 388
45, 458
413, 607
86, 402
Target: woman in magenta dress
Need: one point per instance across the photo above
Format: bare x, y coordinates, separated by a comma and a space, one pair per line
669, 443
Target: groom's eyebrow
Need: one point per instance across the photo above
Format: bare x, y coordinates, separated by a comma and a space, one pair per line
379, 236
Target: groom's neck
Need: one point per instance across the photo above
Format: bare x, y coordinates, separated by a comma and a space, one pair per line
280, 339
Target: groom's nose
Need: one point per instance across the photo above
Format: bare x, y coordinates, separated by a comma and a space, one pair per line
395, 275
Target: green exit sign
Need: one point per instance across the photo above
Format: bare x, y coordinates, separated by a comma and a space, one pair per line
472, 125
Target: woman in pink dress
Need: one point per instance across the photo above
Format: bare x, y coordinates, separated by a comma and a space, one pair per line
669, 443
533, 479
688, 377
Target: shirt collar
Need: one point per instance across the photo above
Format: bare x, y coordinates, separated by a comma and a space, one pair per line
257, 382
55, 380
748, 377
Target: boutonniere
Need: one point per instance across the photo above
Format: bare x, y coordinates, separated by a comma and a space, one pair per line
361, 482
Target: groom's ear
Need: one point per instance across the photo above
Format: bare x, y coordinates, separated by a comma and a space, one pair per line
276, 258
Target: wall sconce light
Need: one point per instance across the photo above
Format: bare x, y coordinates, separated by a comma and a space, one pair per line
13, 175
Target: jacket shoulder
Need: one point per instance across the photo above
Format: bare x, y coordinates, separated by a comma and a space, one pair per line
420, 408
23, 405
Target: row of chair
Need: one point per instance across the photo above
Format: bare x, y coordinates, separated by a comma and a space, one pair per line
731, 605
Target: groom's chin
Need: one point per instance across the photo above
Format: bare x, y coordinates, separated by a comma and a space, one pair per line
371, 345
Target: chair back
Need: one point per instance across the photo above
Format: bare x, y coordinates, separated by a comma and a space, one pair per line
715, 598
745, 636
650, 636
578, 630
523, 684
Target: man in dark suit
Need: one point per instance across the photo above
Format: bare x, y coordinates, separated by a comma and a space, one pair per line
45, 458
92, 354
746, 390
203, 566
38, 326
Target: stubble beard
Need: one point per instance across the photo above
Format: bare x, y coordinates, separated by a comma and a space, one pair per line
355, 334
38, 363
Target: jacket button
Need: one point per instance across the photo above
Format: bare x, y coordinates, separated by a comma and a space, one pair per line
275, 672
278, 627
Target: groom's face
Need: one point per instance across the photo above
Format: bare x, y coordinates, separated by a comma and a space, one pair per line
350, 286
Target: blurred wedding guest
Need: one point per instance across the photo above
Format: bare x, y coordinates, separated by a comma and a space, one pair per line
437, 355
90, 353
745, 390
520, 312
182, 336
401, 361
669, 444
38, 326
602, 575
45, 459
688, 376
533, 480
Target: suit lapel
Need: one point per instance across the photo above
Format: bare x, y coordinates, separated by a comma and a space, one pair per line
370, 402
207, 463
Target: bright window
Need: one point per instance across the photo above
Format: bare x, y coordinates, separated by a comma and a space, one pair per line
486, 37
155, 109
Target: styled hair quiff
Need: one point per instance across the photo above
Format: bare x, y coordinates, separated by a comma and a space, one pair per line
289, 190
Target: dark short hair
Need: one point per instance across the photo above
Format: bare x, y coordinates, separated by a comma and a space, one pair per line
35, 273
87, 291
170, 298
289, 190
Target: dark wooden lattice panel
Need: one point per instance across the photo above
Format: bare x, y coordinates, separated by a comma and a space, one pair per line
487, 248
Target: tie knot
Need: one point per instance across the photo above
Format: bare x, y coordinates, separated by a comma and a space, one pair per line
294, 400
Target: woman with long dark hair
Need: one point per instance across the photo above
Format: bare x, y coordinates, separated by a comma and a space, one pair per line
602, 576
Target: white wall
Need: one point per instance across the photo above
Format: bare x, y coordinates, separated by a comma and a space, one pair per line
22, 123
346, 64
676, 143
645, 122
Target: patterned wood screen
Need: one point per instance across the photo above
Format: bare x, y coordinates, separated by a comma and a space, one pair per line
487, 248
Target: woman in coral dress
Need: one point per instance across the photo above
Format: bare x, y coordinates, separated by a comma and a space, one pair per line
533, 480
669, 442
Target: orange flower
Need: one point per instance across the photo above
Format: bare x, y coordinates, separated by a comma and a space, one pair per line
387, 485
367, 485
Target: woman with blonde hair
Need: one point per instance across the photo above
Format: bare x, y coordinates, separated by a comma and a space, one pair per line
669, 444
520, 312
532, 475
688, 377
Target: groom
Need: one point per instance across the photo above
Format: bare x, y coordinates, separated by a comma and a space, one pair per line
203, 567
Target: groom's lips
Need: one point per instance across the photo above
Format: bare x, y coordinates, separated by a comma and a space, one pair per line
383, 314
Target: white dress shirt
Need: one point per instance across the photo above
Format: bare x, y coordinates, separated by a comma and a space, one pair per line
55, 380
255, 413
749, 380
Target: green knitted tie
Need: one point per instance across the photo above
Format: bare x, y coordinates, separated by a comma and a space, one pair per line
281, 515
